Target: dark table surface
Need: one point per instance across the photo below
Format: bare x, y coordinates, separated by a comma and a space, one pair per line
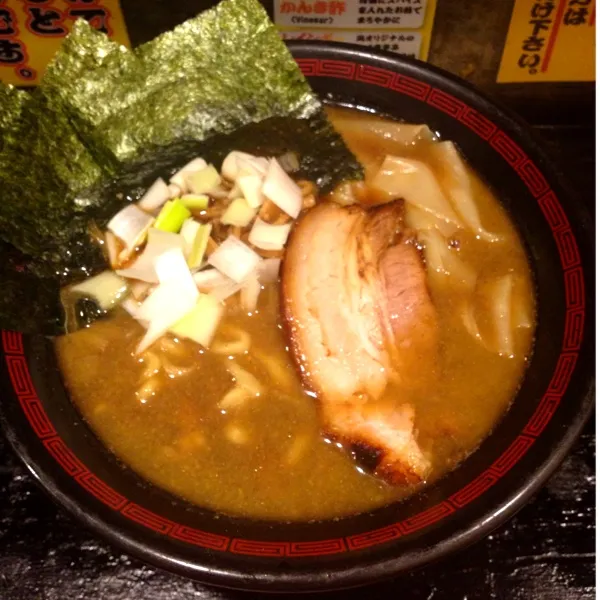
546, 552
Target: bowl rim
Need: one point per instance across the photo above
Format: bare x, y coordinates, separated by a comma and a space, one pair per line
381, 568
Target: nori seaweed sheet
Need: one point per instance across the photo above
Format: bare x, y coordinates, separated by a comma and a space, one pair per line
106, 121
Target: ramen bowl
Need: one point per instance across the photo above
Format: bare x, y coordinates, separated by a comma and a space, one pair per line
526, 446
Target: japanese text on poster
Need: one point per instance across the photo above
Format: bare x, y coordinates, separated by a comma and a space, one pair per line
31, 31
550, 41
401, 26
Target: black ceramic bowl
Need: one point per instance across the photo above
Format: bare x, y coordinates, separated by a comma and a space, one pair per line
526, 446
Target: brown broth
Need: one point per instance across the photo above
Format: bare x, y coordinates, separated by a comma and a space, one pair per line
267, 458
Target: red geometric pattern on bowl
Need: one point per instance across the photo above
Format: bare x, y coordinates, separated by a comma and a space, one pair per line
550, 207
511, 152
200, 538
374, 537
512, 455
533, 179
319, 548
446, 103
259, 548
103, 492
427, 517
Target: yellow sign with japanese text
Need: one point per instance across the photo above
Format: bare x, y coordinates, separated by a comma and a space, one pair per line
550, 41
401, 26
31, 31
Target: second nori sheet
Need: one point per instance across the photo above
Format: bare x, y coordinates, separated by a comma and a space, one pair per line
106, 121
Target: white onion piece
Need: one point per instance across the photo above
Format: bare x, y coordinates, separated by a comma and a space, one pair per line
234, 259
189, 232
171, 265
268, 270
175, 297
210, 278
219, 193
158, 243
174, 191
156, 195
252, 165
454, 178
106, 289
133, 307
237, 162
140, 289
131, 225
222, 292
204, 181
235, 192
265, 236
239, 213
229, 168
165, 306
251, 188
282, 190
179, 178
289, 162
250, 293
200, 267
416, 183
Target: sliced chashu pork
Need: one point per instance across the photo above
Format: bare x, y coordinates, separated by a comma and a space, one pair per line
358, 312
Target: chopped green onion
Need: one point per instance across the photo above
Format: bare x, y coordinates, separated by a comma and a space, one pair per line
199, 248
188, 232
195, 201
201, 323
239, 213
195, 236
172, 216
203, 181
